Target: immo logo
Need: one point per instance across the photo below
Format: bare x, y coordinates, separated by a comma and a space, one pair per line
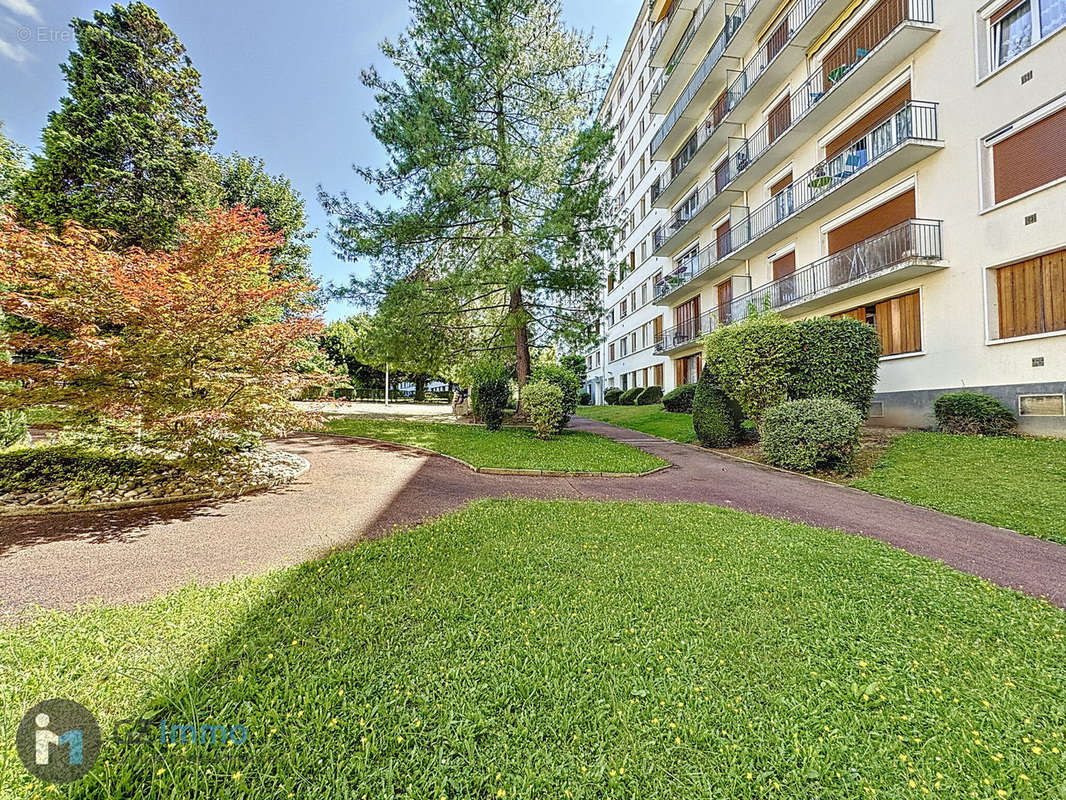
58, 740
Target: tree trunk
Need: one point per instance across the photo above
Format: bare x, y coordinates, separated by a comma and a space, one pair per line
420, 387
521, 338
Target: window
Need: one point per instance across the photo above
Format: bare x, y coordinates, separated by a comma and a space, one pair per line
898, 322
610, 353
622, 312
657, 373
1017, 26
1031, 296
1029, 158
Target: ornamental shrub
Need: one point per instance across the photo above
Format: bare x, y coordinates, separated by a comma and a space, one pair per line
490, 392
569, 384
584, 399
344, 393
543, 403
629, 397
612, 396
836, 358
753, 361
818, 433
650, 396
716, 417
679, 400
13, 428
973, 414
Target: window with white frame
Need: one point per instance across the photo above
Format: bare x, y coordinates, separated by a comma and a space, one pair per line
1019, 24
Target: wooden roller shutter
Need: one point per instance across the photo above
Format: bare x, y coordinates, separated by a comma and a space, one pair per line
899, 324
721, 175
781, 184
679, 372
855, 313
785, 265
687, 311
870, 120
1030, 158
657, 327
895, 211
720, 109
725, 299
723, 239
1009, 8
868, 32
1032, 296
1054, 269
657, 375
780, 117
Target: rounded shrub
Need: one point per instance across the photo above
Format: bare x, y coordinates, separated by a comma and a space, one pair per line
716, 417
568, 384
490, 392
584, 399
973, 414
836, 358
612, 396
679, 400
650, 396
629, 396
543, 404
819, 433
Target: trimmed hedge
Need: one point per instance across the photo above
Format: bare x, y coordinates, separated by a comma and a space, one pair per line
679, 400
612, 396
837, 358
973, 414
584, 399
650, 396
490, 392
754, 361
629, 396
543, 403
568, 384
814, 434
716, 417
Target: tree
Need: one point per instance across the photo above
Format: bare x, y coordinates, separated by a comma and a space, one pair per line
12, 165
127, 148
503, 216
576, 364
342, 344
188, 346
245, 181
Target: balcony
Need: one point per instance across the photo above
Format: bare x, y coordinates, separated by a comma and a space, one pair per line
898, 142
711, 200
687, 334
701, 269
870, 51
684, 58
757, 80
669, 30
903, 251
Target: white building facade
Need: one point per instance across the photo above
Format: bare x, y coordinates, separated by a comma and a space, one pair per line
896, 161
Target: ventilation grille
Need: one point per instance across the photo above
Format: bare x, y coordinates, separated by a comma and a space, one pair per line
877, 409
1042, 405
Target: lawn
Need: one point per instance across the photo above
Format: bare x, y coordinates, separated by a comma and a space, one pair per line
646, 419
1016, 483
562, 649
510, 448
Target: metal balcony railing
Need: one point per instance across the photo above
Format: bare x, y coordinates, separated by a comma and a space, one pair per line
661, 28
912, 239
915, 121
682, 46
688, 332
691, 268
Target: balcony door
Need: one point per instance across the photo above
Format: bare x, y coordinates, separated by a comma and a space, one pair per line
780, 117
686, 318
858, 248
725, 301
784, 290
723, 238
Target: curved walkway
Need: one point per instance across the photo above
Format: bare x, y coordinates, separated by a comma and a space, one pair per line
357, 490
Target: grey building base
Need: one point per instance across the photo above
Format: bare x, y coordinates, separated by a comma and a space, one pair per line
914, 409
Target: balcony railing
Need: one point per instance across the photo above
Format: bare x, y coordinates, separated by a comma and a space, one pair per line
688, 332
914, 239
682, 46
914, 121
661, 28
691, 268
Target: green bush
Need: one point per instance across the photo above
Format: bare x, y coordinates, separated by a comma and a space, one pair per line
490, 392
48, 467
584, 399
612, 396
344, 393
754, 361
543, 403
973, 414
679, 400
837, 358
312, 392
13, 428
650, 396
716, 417
629, 396
568, 384
812, 434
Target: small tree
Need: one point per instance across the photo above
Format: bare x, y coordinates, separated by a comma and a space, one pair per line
189, 346
544, 405
566, 381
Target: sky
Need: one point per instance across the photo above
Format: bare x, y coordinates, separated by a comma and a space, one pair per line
280, 80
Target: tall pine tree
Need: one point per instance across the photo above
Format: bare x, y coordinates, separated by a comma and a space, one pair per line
127, 148
502, 222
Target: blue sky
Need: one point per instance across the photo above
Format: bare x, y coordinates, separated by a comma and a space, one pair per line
281, 80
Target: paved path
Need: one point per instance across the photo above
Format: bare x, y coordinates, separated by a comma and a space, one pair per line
356, 490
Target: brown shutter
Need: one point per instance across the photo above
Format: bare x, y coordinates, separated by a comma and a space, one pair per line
1054, 268
1009, 8
895, 211
687, 311
871, 120
777, 39
722, 238
899, 324
868, 32
679, 371
780, 117
657, 327
785, 265
725, 297
1019, 287
1030, 158
781, 185
719, 110
855, 313
658, 374
721, 175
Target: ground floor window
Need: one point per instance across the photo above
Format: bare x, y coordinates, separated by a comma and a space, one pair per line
688, 369
898, 321
1031, 296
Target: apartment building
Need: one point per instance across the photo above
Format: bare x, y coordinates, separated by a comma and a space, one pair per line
895, 161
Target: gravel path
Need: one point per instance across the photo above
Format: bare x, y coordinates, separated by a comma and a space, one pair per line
357, 489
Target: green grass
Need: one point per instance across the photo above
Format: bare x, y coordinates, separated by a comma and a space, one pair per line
1011, 482
646, 419
561, 649
510, 448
